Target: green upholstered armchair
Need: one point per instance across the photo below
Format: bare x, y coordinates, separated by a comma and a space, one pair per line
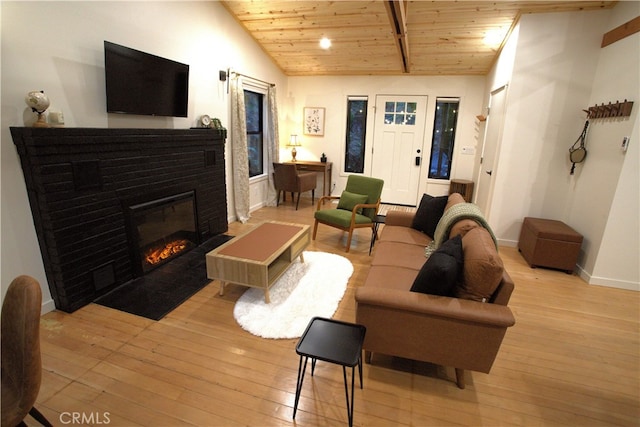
357, 207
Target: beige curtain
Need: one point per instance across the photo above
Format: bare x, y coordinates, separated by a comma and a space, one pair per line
273, 144
239, 153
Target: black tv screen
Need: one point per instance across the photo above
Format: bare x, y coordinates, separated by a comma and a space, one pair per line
145, 84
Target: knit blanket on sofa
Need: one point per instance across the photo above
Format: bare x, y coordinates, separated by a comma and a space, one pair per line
449, 218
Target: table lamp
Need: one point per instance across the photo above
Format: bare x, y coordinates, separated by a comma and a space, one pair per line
293, 142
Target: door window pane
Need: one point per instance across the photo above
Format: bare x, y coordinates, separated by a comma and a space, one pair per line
356, 132
400, 113
444, 132
389, 107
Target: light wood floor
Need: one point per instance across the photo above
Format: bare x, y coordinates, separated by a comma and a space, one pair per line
571, 359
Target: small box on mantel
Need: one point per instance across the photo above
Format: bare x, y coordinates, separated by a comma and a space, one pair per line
549, 243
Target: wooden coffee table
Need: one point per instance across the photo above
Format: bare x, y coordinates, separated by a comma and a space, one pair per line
258, 257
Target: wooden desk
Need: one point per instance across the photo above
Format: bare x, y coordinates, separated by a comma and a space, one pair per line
324, 167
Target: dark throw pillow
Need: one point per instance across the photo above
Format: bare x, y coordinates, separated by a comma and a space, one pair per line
442, 271
429, 213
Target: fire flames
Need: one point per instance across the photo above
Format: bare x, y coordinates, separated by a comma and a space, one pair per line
159, 254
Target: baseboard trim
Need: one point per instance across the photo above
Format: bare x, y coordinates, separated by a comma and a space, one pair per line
607, 282
508, 243
257, 206
47, 306
614, 283
233, 218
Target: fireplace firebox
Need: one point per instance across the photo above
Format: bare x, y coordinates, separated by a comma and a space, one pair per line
161, 230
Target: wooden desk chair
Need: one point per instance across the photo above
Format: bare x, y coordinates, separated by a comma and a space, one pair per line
287, 178
21, 363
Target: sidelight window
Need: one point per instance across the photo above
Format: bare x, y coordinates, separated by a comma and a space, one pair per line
444, 132
356, 132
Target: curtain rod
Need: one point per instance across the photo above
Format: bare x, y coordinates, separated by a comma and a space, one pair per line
252, 78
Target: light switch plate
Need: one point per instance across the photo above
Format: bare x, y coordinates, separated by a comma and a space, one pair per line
625, 143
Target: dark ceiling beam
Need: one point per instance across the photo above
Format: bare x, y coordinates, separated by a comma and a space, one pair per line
397, 11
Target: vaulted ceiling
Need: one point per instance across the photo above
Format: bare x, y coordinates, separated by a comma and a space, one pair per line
385, 37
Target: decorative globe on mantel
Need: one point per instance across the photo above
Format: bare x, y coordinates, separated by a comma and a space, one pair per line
39, 102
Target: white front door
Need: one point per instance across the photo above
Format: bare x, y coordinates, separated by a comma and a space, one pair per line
489, 159
398, 152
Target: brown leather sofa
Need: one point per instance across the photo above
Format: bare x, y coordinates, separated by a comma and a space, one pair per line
465, 334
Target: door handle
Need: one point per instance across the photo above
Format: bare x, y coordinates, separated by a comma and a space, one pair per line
489, 172
418, 159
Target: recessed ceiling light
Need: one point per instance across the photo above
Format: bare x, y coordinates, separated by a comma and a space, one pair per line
325, 43
494, 37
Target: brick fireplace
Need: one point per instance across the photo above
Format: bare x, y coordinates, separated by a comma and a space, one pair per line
103, 199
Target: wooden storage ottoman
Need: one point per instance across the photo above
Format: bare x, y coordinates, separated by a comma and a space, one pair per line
549, 243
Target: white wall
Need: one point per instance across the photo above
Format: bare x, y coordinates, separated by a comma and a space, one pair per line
499, 76
65, 58
332, 92
559, 70
607, 194
550, 85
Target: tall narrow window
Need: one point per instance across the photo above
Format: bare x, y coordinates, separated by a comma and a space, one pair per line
356, 132
444, 133
254, 108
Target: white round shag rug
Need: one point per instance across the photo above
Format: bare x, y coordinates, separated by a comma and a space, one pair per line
305, 290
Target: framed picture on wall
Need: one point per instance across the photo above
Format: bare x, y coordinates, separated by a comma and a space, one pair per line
313, 121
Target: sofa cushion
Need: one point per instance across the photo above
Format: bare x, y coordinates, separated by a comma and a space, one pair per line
392, 233
401, 255
349, 200
399, 218
390, 277
429, 213
482, 266
442, 271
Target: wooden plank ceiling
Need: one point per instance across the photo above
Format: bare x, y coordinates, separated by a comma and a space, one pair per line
385, 37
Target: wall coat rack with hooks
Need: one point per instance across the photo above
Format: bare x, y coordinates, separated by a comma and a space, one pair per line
602, 111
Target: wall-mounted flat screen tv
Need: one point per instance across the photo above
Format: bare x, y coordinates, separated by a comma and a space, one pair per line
145, 84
